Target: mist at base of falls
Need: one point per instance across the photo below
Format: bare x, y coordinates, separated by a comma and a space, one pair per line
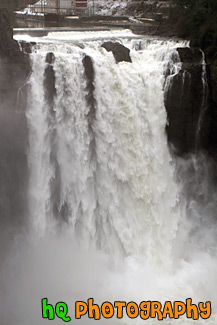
112, 215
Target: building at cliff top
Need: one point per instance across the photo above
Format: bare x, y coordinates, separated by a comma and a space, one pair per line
89, 7
59, 7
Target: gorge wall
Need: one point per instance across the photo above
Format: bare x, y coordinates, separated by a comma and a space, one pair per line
14, 70
191, 104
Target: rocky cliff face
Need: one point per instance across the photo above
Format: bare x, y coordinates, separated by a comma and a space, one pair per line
191, 104
14, 70
212, 81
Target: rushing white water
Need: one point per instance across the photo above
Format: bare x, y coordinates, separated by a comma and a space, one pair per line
106, 219
204, 97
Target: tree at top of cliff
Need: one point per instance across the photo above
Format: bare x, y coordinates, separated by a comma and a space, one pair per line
9, 4
199, 20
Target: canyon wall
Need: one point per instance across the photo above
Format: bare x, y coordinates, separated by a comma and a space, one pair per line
14, 70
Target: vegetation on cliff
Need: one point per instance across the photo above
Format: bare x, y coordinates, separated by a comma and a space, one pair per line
197, 19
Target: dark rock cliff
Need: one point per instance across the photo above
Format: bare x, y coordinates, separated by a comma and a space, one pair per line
14, 70
191, 104
212, 82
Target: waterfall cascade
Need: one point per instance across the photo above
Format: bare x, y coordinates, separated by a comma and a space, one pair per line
204, 98
105, 174
106, 217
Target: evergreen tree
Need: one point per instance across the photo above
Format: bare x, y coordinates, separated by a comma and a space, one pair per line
198, 19
9, 4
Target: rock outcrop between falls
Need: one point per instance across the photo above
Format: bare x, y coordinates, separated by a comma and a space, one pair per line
14, 71
49, 81
90, 75
120, 52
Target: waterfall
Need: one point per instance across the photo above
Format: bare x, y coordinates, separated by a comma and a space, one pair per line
113, 168
204, 98
106, 215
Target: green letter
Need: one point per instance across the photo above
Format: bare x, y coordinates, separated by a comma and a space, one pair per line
61, 311
47, 310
